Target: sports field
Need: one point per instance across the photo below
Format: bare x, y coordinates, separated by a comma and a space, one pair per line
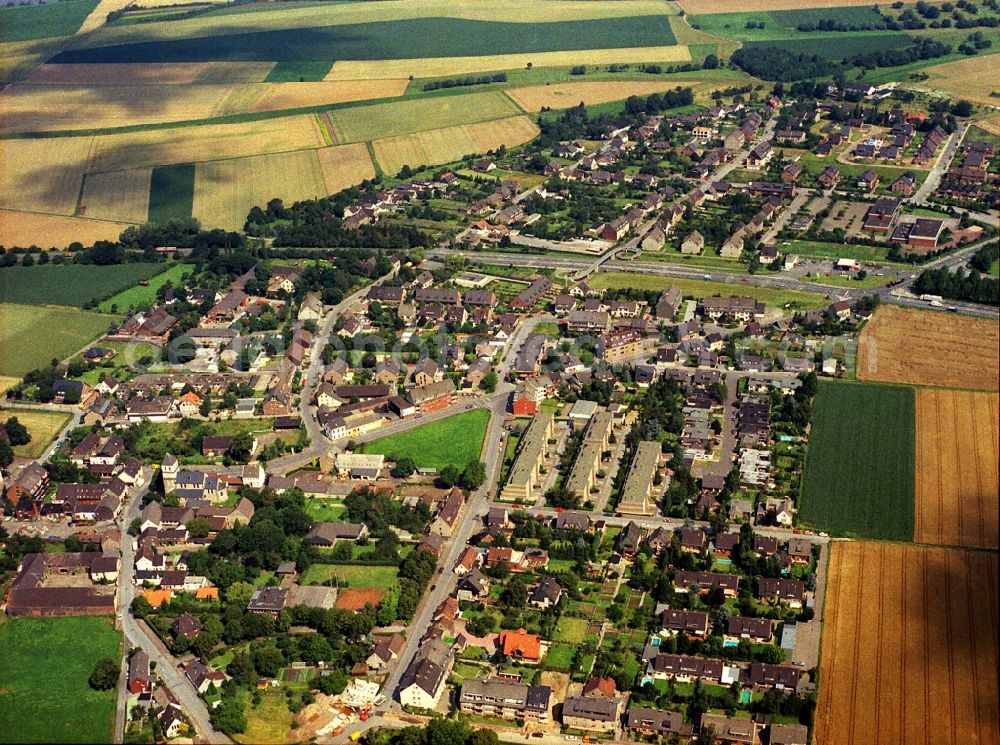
452, 441
919, 347
957, 453
43, 426
909, 651
859, 467
451, 143
139, 294
44, 667
31, 336
69, 284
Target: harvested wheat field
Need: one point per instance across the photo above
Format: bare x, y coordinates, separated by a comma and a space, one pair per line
53, 231
345, 165
276, 96
705, 7
909, 652
119, 196
451, 143
566, 95
117, 74
208, 142
430, 67
99, 15
919, 347
969, 78
43, 175
225, 190
956, 462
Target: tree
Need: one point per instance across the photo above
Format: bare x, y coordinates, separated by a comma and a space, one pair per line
140, 607
72, 544
239, 594
333, 683
17, 433
241, 447
135, 527
448, 476
229, 716
6, 454
199, 527
405, 467
473, 475
490, 381
105, 674
484, 737
241, 669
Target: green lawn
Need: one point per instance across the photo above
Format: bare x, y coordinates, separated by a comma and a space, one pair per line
31, 336
452, 441
171, 192
379, 577
842, 280
24, 22
859, 465
571, 630
792, 299
70, 284
44, 667
824, 249
325, 510
560, 657
144, 295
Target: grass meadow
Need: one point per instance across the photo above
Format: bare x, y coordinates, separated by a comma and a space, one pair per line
44, 667
31, 336
356, 576
139, 294
452, 441
70, 284
43, 426
859, 473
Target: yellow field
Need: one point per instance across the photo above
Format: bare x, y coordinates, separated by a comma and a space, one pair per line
973, 79
120, 196
99, 15
565, 95
43, 175
209, 142
686, 35
705, 7
53, 231
225, 190
43, 426
275, 96
322, 14
7, 382
431, 67
174, 73
345, 165
451, 143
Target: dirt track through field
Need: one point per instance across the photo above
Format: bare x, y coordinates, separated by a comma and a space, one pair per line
958, 447
910, 646
918, 347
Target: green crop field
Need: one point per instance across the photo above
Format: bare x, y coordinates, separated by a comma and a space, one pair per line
780, 24
859, 466
44, 667
139, 294
24, 22
171, 192
400, 39
792, 299
452, 441
361, 123
298, 71
31, 336
69, 284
